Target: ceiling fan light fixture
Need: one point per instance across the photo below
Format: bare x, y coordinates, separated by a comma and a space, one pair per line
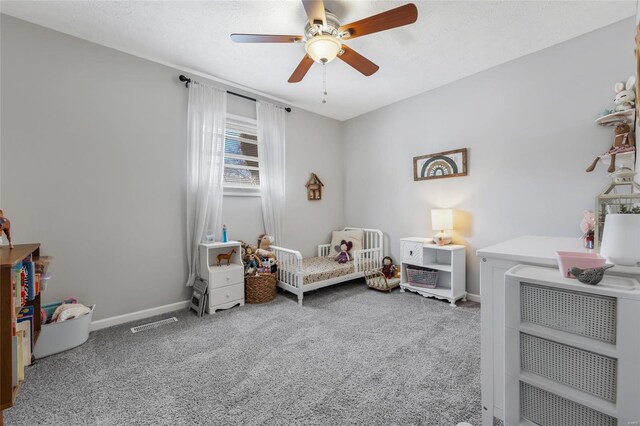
323, 48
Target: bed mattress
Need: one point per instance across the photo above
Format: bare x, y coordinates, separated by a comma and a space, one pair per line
316, 269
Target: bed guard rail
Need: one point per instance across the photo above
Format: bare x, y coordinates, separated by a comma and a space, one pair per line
324, 250
289, 266
367, 260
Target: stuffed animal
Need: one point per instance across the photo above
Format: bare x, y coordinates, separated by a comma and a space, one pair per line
388, 268
251, 260
344, 256
624, 141
625, 98
5, 226
264, 246
269, 265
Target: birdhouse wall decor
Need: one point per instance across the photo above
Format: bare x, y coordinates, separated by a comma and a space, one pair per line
314, 188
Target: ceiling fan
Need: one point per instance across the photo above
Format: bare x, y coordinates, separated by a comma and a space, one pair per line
323, 36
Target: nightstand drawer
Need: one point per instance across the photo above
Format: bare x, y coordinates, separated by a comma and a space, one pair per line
222, 276
231, 293
411, 252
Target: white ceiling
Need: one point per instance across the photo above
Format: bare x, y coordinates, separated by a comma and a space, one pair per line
450, 40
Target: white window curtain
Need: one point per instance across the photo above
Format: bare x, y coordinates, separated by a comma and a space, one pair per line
205, 168
271, 151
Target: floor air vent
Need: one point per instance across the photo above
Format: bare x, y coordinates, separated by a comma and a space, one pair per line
153, 324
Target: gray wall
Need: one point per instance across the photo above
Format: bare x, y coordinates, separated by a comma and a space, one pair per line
528, 125
93, 166
93, 160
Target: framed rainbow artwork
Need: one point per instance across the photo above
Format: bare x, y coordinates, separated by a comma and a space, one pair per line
440, 165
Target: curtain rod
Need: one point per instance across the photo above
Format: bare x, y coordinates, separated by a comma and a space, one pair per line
186, 80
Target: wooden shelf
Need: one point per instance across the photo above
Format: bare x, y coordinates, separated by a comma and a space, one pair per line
8, 259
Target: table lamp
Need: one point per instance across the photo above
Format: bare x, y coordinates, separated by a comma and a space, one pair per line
442, 220
621, 239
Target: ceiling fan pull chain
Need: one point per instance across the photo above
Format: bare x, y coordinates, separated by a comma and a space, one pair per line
324, 82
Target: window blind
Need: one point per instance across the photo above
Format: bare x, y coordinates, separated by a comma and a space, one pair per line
241, 162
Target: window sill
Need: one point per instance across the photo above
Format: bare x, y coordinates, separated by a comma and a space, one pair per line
237, 193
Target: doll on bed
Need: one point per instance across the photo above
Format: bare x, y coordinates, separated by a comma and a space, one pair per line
344, 256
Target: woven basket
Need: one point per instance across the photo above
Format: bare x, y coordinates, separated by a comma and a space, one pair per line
260, 288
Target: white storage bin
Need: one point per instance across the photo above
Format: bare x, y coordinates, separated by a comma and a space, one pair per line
62, 336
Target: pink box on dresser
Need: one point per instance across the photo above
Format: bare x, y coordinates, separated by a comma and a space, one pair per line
571, 259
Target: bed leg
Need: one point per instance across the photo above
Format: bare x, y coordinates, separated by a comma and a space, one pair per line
300, 299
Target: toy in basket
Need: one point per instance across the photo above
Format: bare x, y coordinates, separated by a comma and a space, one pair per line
422, 277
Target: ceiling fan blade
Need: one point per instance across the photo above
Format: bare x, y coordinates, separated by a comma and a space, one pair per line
358, 61
265, 38
315, 11
301, 70
403, 15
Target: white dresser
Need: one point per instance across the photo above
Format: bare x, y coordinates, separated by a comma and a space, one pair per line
571, 349
226, 282
495, 261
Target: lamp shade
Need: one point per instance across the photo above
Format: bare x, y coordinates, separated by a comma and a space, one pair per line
323, 48
441, 219
621, 239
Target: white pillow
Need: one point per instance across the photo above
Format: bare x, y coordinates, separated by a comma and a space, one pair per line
355, 236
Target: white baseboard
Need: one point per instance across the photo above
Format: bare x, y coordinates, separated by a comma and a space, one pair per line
134, 316
147, 313
473, 297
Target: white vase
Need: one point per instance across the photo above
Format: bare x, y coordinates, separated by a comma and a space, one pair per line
621, 239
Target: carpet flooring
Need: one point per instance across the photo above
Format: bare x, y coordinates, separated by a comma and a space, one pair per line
350, 355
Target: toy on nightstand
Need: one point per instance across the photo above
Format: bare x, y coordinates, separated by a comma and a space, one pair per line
388, 268
226, 256
224, 234
5, 226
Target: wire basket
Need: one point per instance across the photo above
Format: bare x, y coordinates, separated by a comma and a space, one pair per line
422, 277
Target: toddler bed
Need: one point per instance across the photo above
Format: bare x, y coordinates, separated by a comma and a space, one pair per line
298, 275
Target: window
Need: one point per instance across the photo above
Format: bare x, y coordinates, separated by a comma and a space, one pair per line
241, 163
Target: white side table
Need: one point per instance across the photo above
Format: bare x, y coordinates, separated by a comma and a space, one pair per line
226, 282
448, 260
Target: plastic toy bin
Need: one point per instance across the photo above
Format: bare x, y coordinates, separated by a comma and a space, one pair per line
62, 336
